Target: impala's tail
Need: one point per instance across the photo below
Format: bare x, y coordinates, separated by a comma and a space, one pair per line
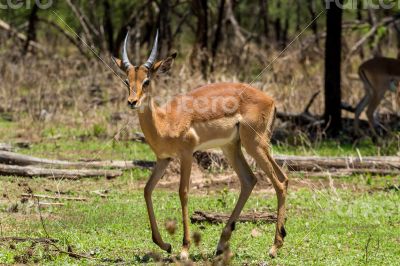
271, 123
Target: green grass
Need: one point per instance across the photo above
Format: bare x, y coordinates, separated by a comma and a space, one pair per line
323, 229
363, 147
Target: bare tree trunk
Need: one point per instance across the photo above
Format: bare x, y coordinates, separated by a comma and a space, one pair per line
333, 53
313, 14
265, 16
397, 28
108, 26
298, 15
200, 49
359, 10
217, 37
285, 32
31, 32
278, 26
360, 18
230, 17
166, 40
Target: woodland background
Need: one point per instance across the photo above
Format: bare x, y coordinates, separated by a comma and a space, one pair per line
47, 71
58, 100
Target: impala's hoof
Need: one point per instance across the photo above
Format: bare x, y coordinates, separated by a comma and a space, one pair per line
168, 248
219, 252
184, 255
273, 252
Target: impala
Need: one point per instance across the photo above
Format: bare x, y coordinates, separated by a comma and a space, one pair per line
378, 75
225, 115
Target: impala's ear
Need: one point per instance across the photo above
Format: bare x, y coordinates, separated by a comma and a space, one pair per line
164, 65
118, 62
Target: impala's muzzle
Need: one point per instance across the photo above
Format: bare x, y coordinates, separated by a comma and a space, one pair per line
132, 103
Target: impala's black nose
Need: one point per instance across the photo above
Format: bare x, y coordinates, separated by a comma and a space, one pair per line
132, 103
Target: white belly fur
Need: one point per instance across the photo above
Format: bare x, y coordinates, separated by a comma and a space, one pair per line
216, 133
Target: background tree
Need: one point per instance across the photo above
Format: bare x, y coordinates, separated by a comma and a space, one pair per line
333, 55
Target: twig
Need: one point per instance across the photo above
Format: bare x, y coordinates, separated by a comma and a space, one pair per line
100, 193
310, 103
52, 197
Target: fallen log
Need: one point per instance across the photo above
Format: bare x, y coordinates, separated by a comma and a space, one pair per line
28, 239
210, 159
253, 217
347, 172
314, 163
26, 195
5, 147
13, 158
73, 174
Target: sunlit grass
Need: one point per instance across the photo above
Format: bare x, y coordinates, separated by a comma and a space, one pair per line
322, 229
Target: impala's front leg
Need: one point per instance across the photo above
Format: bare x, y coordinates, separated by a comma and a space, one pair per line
156, 175
186, 167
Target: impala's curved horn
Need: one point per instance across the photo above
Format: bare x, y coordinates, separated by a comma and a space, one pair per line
125, 59
153, 56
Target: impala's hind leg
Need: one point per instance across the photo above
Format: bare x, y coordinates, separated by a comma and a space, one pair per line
359, 108
233, 153
256, 145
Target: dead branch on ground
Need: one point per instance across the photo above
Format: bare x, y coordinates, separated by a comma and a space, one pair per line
72, 174
13, 158
253, 217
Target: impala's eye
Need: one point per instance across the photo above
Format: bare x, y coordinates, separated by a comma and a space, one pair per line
146, 83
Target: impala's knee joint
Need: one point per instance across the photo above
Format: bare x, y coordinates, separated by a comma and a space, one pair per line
147, 192
185, 242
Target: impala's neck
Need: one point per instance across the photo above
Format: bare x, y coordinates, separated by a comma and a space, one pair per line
148, 119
